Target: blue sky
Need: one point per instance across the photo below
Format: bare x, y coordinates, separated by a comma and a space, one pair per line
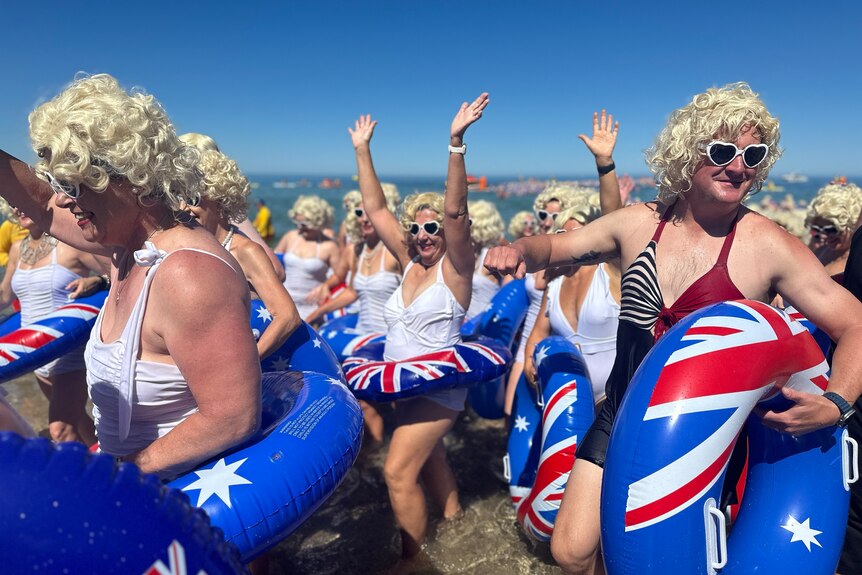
278, 83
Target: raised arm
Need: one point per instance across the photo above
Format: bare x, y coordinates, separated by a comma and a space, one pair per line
455, 218
385, 223
24, 190
601, 145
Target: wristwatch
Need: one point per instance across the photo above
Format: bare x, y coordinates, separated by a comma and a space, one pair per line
459, 150
844, 408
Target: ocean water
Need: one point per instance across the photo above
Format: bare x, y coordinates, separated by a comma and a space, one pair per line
281, 192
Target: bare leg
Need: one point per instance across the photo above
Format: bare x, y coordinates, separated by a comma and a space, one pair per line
575, 541
373, 421
421, 424
440, 482
511, 384
67, 413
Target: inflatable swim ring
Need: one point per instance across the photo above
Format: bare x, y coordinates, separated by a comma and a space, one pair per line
260, 492
568, 410
26, 348
501, 321
674, 434
342, 337
304, 350
525, 442
79, 513
461, 365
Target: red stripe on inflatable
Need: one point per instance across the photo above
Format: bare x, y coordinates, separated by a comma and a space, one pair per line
677, 499
756, 362
28, 337
712, 330
82, 307
557, 398
821, 381
10, 358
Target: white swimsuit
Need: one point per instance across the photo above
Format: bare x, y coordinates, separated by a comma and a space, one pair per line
41, 291
430, 323
374, 291
135, 401
484, 288
597, 326
535, 297
302, 275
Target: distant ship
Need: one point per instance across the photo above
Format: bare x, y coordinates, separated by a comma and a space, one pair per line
329, 184
794, 178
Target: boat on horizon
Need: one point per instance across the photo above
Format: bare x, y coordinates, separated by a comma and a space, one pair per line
794, 178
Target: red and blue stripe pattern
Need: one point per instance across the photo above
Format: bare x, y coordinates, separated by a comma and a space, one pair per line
457, 366
342, 337
30, 347
677, 427
568, 411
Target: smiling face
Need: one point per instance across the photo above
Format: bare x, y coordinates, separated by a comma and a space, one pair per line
430, 248
725, 184
365, 227
109, 217
552, 208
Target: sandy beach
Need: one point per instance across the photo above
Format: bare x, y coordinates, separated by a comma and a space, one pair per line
354, 531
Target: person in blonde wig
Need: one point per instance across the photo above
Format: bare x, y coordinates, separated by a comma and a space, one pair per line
222, 206
522, 225
696, 245
486, 230
112, 178
309, 253
831, 219
424, 314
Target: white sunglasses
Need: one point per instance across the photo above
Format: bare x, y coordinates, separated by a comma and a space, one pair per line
722, 153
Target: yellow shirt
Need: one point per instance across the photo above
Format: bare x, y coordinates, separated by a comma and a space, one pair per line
10, 233
263, 223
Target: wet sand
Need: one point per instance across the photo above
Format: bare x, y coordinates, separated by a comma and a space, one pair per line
354, 531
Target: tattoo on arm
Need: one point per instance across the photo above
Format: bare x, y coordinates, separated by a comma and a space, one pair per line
587, 258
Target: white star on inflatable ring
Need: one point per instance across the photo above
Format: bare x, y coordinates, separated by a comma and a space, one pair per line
263, 313
217, 481
802, 532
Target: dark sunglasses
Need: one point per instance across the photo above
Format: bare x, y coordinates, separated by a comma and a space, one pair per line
195, 200
722, 153
824, 231
543, 215
431, 228
69, 190
359, 212
300, 224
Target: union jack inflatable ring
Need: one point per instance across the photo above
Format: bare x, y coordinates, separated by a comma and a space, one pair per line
673, 437
24, 349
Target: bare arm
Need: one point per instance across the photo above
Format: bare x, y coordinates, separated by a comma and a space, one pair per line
385, 223
224, 379
20, 186
595, 243
259, 273
6, 293
541, 330
601, 145
251, 233
801, 278
456, 224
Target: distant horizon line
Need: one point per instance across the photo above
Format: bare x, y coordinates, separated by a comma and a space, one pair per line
503, 177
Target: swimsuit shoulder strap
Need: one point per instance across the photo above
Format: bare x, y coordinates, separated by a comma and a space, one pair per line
728, 241
664, 219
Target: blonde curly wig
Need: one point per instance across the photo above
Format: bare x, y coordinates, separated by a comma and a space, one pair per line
94, 130
316, 211
837, 203
415, 203
487, 227
351, 202
563, 192
521, 221
200, 141
225, 184
583, 209
717, 113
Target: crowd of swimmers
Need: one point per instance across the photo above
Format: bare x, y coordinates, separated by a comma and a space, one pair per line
115, 196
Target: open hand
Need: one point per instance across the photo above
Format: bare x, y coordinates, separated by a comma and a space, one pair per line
506, 260
467, 114
82, 287
604, 136
362, 131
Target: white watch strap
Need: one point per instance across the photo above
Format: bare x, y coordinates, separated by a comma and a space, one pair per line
462, 150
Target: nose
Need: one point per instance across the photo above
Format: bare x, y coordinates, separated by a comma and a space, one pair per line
736, 167
63, 201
